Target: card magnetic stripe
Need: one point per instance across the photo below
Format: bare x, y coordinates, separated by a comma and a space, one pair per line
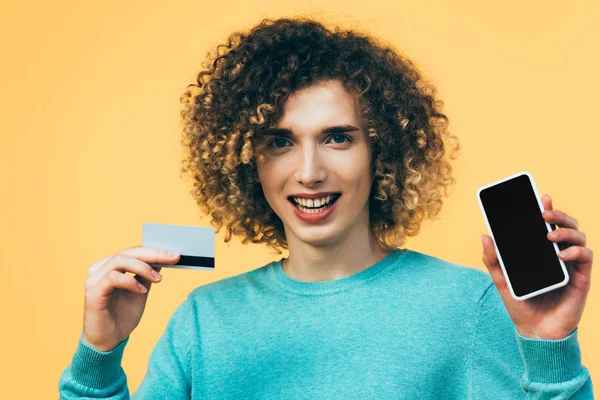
189, 262
196, 261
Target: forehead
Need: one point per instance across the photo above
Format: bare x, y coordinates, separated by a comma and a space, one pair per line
320, 104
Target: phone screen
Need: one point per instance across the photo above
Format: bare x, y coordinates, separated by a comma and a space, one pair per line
519, 230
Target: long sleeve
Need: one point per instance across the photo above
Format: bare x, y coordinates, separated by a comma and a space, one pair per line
505, 365
169, 373
95, 374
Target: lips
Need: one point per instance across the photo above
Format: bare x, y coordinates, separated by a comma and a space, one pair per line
315, 216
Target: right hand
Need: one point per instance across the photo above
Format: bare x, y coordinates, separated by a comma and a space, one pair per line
114, 301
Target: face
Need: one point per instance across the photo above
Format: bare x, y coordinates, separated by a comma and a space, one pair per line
318, 147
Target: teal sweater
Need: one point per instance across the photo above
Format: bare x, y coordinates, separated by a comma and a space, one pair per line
411, 326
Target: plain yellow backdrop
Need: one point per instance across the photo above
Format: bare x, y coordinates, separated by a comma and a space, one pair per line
90, 143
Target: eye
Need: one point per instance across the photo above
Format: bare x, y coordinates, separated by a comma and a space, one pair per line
341, 136
280, 141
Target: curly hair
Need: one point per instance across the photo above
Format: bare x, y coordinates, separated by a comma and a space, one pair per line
241, 91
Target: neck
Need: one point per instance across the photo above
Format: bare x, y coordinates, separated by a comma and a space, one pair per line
348, 257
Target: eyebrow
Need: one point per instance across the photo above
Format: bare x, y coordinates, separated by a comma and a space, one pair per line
332, 129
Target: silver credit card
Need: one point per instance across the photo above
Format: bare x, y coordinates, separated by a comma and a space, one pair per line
196, 244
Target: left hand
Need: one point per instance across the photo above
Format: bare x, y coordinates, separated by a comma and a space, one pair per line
552, 315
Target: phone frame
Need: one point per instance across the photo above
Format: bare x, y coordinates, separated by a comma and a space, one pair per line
548, 227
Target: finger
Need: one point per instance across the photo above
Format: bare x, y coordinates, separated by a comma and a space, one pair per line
581, 259
547, 202
137, 252
123, 263
568, 236
144, 254
150, 255
577, 253
114, 279
560, 218
143, 281
146, 282
98, 264
490, 259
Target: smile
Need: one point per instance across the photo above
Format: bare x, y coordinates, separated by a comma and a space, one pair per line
311, 206
315, 212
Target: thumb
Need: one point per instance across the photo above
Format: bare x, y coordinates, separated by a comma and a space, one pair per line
490, 259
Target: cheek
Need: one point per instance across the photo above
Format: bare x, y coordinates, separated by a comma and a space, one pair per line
262, 174
355, 169
270, 182
274, 171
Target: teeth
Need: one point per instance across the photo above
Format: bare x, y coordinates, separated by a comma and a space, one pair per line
312, 202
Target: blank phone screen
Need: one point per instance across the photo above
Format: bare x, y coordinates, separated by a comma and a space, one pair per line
520, 231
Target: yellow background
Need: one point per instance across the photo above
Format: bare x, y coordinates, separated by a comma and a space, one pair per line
90, 143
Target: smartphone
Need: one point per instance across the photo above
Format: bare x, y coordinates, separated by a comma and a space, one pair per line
512, 209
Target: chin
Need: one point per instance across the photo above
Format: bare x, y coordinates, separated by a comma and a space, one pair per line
324, 238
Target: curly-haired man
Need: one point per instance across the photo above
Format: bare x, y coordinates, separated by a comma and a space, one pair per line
331, 145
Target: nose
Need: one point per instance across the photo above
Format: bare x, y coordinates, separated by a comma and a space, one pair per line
310, 166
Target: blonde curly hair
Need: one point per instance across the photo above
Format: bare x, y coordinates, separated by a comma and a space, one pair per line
241, 92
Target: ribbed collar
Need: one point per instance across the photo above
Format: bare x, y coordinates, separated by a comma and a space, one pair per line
284, 281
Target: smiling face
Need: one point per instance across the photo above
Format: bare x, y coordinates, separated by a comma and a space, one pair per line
319, 147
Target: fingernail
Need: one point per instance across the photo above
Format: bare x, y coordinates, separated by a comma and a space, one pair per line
172, 254
553, 235
565, 253
156, 275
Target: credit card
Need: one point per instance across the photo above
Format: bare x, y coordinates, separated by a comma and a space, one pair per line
196, 244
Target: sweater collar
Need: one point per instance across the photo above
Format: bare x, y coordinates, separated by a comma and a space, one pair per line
290, 284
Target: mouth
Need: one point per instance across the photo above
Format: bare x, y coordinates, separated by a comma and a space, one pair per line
306, 207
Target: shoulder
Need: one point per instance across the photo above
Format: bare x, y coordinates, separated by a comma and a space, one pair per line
440, 276
427, 266
240, 286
